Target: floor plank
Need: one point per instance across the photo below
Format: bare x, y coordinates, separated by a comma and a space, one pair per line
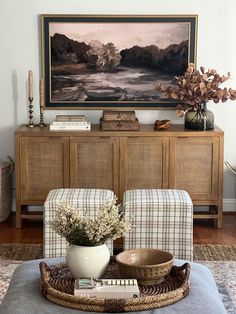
204, 231
31, 231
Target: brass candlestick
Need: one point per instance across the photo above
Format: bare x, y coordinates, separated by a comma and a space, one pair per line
31, 123
41, 122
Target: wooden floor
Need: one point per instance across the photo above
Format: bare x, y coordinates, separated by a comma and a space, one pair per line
204, 231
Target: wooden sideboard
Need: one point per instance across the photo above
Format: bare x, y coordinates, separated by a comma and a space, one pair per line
119, 160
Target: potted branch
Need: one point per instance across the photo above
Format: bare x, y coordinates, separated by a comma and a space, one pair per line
194, 89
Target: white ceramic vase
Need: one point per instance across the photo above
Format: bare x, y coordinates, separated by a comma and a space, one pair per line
87, 261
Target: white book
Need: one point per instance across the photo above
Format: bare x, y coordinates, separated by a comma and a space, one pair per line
70, 123
86, 127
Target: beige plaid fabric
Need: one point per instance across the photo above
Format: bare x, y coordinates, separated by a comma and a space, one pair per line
86, 200
163, 219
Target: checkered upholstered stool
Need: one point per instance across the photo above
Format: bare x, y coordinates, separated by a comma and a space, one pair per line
86, 200
163, 219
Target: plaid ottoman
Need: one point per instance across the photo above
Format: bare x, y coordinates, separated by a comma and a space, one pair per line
86, 200
163, 219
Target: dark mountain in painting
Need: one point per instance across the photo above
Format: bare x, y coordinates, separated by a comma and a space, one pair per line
173, 59
140, 56
99, 56
67, 51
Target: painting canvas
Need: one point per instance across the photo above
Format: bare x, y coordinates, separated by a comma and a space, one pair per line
111, 61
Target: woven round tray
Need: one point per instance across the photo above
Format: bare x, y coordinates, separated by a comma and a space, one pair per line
57, 285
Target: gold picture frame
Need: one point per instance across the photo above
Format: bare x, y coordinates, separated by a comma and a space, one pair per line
114, 61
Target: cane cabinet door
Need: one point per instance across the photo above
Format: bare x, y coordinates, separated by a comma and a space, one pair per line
194, 166
44, 165
143, 163
94, 162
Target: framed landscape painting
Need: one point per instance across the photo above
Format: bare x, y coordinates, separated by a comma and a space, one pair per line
97, 62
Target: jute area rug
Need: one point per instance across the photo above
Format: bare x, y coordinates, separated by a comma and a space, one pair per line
221, 259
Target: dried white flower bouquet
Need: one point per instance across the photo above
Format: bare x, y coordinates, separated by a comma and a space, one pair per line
81, 230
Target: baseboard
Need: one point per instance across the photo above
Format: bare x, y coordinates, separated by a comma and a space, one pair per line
229, 205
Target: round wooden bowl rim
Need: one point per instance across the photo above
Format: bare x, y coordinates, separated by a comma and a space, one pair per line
141, 265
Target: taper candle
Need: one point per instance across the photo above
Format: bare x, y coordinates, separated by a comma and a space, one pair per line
30, 82
41, 93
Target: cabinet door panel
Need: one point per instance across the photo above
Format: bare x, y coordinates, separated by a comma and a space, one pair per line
95, 162
144, 163
44, 166
194, 166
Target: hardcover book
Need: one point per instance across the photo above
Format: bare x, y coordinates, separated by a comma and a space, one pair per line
73, 118
75, 127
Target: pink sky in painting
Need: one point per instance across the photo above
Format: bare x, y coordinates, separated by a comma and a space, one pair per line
124, 35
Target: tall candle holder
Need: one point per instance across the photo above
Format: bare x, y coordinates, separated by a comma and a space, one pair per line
41, 103
30, 123
41, 122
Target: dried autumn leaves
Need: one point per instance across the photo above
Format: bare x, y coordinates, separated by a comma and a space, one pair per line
196, 87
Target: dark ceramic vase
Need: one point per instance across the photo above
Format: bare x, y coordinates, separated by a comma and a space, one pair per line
200, 119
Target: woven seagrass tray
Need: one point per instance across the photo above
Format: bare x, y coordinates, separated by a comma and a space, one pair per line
57, 285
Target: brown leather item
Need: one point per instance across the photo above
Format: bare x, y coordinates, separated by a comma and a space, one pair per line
161, 124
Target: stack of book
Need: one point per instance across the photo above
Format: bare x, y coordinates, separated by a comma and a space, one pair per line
71, 122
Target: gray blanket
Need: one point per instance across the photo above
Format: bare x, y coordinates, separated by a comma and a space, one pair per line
24, 297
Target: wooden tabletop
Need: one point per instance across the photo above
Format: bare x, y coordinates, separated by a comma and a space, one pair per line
144, 130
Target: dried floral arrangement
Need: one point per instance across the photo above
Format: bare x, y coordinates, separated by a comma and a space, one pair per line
81, 230
196, 87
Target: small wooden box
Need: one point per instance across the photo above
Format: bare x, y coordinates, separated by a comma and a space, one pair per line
119, 125
118, 115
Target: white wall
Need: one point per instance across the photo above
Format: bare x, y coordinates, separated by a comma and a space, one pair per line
20, 51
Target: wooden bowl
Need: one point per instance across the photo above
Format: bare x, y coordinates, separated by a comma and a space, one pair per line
148, 266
